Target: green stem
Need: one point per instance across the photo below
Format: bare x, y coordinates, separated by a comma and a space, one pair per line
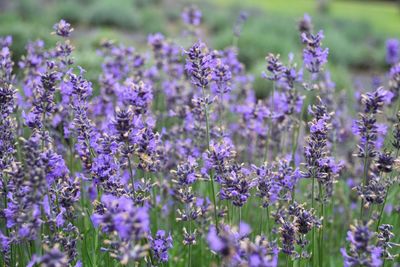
386, 196
268, 230
321, 235
131, 176
240, 217
269, 124
211, 171
364, 183
262, 221
313, 229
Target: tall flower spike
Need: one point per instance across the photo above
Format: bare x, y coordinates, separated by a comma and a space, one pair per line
192, 15
222, 76
275, 68
160, 245
385, 237
316, 150
392, 51
361, 250
199, 64
305, 24
396, 132
63, 28
366, 126
394, 80
125, 224
314, 56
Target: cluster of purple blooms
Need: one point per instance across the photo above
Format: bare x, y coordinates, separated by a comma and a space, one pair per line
174, 149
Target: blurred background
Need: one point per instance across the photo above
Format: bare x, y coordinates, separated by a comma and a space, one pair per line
356, 31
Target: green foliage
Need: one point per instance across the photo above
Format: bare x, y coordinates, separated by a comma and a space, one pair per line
22, 33
113, 13
71, 11
152, 20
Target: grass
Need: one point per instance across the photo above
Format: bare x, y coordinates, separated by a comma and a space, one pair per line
385, 17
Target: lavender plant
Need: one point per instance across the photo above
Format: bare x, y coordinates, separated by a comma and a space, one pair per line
170, 159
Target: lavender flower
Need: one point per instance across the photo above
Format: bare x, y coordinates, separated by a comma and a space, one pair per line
6, 63
63, 28
160, 245
84, 129
392, 51
125, 223
316, 150
258, 253
7, 106
314, 55
394, 80
384, 162
186, 172
288, 232
361, 251
121, 215
267, 187
222, 75
305, 24
373, 192
275, 68
226, 241
137, 95
199, 64
191, 15
385, 237
396, 133
366, 126
53, 257
240, 20
236, 185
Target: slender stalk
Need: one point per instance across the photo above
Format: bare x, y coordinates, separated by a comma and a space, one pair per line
190, 232
364, 183
313, 229
321, 234
269, 124
131, 176
190, 246
386, 196
220, 112
95, 248
268, 230
211, 171
240, 217
262, 221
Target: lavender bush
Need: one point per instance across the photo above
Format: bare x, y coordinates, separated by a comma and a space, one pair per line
170, 159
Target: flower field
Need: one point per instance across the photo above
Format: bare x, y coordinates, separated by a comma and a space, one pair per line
169, 157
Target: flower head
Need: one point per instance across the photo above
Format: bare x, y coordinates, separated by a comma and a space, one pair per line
160, 244
314, 55
191, 15
200, 64
63, 28
361, 252
392, 51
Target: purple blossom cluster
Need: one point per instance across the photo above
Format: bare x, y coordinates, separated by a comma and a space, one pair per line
170, 158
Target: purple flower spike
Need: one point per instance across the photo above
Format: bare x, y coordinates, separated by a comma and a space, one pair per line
392, 51
314, 55
63, 28
160, 244
191, 15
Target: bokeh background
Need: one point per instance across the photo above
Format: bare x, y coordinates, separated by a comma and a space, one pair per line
355, 31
